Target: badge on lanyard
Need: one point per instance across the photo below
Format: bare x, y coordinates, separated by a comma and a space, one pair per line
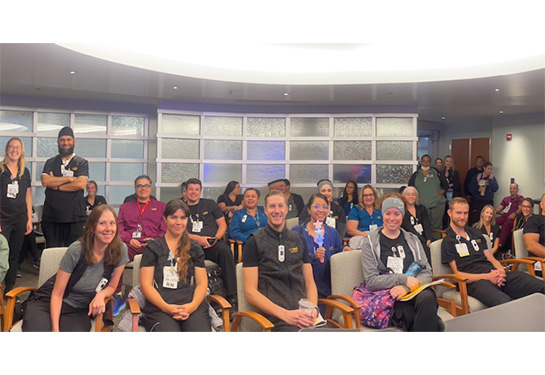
373, 227
101, 285
244, 218
170, 277
418, 227
330, 221
13, 189
475, 245
138, 233
395, 264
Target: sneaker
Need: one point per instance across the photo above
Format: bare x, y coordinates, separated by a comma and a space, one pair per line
119, 304
18, 275
36, 264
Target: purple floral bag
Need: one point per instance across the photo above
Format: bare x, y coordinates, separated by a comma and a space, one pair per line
376, 306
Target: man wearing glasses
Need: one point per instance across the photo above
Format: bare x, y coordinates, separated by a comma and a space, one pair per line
140, 221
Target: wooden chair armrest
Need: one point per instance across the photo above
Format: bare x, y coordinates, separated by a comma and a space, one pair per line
11, 298
99, 319
453, 276
516, 262
135, 311
264, 323
353, 304
443, 233
462, 289
225, 308
346, 310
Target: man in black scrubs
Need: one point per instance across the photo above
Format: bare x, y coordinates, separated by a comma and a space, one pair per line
534, 235
207, 226
65, 177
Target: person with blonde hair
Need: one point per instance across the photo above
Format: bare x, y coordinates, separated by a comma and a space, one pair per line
416, 219
487, 225
366, 216
15, 204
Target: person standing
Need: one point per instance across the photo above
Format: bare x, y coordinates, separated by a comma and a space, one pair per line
432, 187
478, 168
482, 188
65, 177
454, 190
15, 205
296, 204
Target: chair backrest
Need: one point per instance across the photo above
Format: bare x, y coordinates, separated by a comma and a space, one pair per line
488, 242
136, 270
4, 256
521, 251
356, 242
346, 272
437, 266
290, 223
341, 229
49, 263
246, 325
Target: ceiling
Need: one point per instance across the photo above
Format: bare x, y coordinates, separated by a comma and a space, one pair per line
44, 70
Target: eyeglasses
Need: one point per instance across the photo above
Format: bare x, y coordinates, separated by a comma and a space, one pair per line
14, 147
143, 186
523, 206
317, 207
368, 195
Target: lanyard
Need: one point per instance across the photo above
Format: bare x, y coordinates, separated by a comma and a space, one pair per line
142, 209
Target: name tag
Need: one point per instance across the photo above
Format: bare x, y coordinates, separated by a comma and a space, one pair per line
418, 228
330, 221
170, 277
13, 190
373, 227
462, 249
137, 234
396, 264
101, 285
197, 226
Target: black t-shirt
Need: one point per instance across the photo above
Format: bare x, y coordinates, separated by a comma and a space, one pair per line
224, 198
471, 261
99, 199
156, 254
395, 248
65, 206
536, 224
494, 232
14, 209
207, 212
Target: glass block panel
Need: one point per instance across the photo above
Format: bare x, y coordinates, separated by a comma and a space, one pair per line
352, 150
394, 150
212, 192
52, 122
181, 124
27, 144
222, 173
309, 150
305, 173
90, 124
394, 126
223, 150
180, 148
90, 148
117, 194
39, 169
342, 173
97, 171
127, 149
394, 174
48, 147
223, 126
39, 197
178, 172
353, 127
266, 150
128, 125
266, 127
309, 127
264, 173
169, 193
125, 171
15, 121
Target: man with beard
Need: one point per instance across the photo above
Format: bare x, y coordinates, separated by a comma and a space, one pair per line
465, 250
65, 177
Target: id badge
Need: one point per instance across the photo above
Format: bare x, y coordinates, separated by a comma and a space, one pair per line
418, 228
396, 264
137, 235
170, 277
197, 226
13, 190
330, 221
373, 227
101, 285
67, 172
475, 245
462, 249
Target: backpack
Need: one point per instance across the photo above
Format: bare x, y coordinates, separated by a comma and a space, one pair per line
376, 306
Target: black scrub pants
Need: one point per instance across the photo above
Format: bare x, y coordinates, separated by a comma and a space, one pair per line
221, 254
37, 318
62, 234
15, 234
419, 314
158, 321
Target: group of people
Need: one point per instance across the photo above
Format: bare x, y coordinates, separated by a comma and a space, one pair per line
281, 265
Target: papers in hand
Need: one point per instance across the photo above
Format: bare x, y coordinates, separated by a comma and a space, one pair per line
410, 295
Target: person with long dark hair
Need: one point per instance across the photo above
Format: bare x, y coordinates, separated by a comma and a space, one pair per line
349, 197
173, 277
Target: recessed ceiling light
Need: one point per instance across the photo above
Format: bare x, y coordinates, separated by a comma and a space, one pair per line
175, 87
286, 94
497, 90
501, 112
72, 72
442, 118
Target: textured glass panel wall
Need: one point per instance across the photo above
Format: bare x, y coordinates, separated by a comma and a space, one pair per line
222, 173
52, 122
169, 193
353, 127
305, 173
27, 143
343, 173
223, 150
90, 124
127, 149
97, 171
394, 126
223, 126
181, 124
266, 127
178, 172
39, 169
213, 192
394, 174
15, 121
47, 147
118, 193
91, 148
39, 198
309, 127
309, 150
394, 150
128, 125
180, 148
125, 171
352, 150
266, 150
264, 173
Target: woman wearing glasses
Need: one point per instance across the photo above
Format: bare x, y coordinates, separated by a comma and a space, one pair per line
366, 216
321, 246
527, 208
15, 204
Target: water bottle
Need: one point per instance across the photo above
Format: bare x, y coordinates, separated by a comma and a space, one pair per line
413, 269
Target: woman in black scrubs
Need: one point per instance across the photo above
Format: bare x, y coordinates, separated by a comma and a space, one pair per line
92, 199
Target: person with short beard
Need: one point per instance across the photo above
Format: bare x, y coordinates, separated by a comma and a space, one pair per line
65, 178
